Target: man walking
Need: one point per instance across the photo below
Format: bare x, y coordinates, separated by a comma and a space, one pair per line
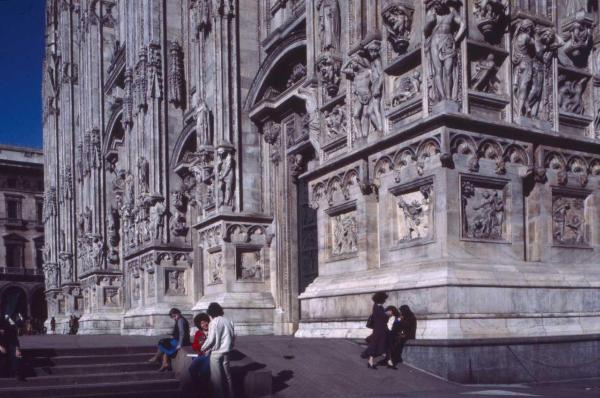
219, 342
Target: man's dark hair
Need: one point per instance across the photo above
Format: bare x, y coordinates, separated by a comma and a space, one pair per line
215, 310
393, 310
201, 317
174, 311
379, 297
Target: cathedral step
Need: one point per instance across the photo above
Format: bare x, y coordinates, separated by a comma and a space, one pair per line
79, 379
81, 351
104, 388
95, 368
92, 359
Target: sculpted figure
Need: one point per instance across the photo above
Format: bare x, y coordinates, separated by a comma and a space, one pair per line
328, 67
444, 28
157, 219
88, 219
406, 88
485, 78
570, 94
329, 24
367, 88
226, 175
578, 41
203, 124
143, 175
397, 19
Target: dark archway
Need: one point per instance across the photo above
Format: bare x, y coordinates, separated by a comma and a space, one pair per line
13, 301
39, 307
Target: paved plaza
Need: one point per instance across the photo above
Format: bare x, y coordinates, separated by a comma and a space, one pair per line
333, 368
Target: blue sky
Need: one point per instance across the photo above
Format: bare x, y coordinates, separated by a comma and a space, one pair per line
21, 52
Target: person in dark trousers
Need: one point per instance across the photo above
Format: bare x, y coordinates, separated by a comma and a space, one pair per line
392, 324
220, 341
180, 337
200, 367
53, 325
404, 330
10, 351
378, 340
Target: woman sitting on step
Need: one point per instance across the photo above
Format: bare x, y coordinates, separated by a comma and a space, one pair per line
180, 337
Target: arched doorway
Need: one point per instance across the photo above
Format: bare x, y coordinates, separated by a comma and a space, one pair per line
13, 301
39, 307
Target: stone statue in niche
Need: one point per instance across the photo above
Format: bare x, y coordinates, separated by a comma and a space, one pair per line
250, 267
178, 222
570, 94
576, 6
482, 212
485, 78
97, 252
364, 69
226, 174
578, 42
298, 73
143, 175
414, 217
406, 87
81, 224
51, 275
88, 219
328, 67
568, 220
329, 24
397, 19
111, 297
157, 215
533, 50
67, 267
444, 28
345, 234
203, 123
335, 123
491, 17
175, 282
136, 289
215, 268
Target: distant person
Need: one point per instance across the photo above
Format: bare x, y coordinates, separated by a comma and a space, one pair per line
10, 351
71, 324
378, 340
406, 329
220, 341
75, 324
180, 337
200, 367
53, 325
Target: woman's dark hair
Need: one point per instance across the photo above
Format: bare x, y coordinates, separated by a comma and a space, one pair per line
214, 310
393, 309
201, 317
379, 297
174, 311
406, 312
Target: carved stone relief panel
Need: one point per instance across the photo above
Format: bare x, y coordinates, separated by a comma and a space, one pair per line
215, 268
414, 213
175, 282
111, 297
62, 305
404, 88
344, 233
568, 219
484, 74
483, 210
249, 267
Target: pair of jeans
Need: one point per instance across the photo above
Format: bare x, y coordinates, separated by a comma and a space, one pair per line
220, 375
200, 368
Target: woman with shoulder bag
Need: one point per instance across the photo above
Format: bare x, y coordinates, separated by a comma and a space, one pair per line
377, 342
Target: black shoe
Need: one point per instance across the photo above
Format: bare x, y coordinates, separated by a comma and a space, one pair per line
371, 366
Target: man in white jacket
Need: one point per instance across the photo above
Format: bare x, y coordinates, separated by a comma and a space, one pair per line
220, 340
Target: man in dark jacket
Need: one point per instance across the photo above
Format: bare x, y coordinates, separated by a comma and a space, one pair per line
10, 352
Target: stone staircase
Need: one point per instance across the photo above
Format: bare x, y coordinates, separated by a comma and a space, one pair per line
92, 373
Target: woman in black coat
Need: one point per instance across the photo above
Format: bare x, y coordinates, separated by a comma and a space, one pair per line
404, 330
378, 340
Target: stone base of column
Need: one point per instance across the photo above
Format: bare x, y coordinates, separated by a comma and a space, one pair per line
100, 324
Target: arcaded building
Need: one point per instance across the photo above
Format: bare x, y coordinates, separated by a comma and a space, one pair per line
22, 289
288, 158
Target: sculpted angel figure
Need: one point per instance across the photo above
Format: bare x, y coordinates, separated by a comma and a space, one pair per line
444, 29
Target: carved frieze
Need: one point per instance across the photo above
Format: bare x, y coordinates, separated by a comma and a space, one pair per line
415, 214
483, 210
249, 266
577, 35
175, 282
344, 233
215, 268
484, 75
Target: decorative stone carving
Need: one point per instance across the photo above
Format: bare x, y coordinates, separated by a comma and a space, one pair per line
482, 211
335, 123
111, 297
143, 175
225, 170
154, 74
179, 225
51, 274
201, 11
415, 215
364, 69
157, 215
215, 268
578, 42
250, 268
128, 105
406, 87
397, 19
328, 66
570, 94
533, 49
175, 282
204, 131
141, 80
297, 164
329, 24
49, 209
491, 17
95, 149
66, 262
298, 73
444, 28
344, 233
568, 220
485, 77
176, 78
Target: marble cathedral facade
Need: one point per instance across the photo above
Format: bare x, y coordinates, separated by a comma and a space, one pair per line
287, 158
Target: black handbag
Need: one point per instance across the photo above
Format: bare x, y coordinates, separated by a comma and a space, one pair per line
370, 322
